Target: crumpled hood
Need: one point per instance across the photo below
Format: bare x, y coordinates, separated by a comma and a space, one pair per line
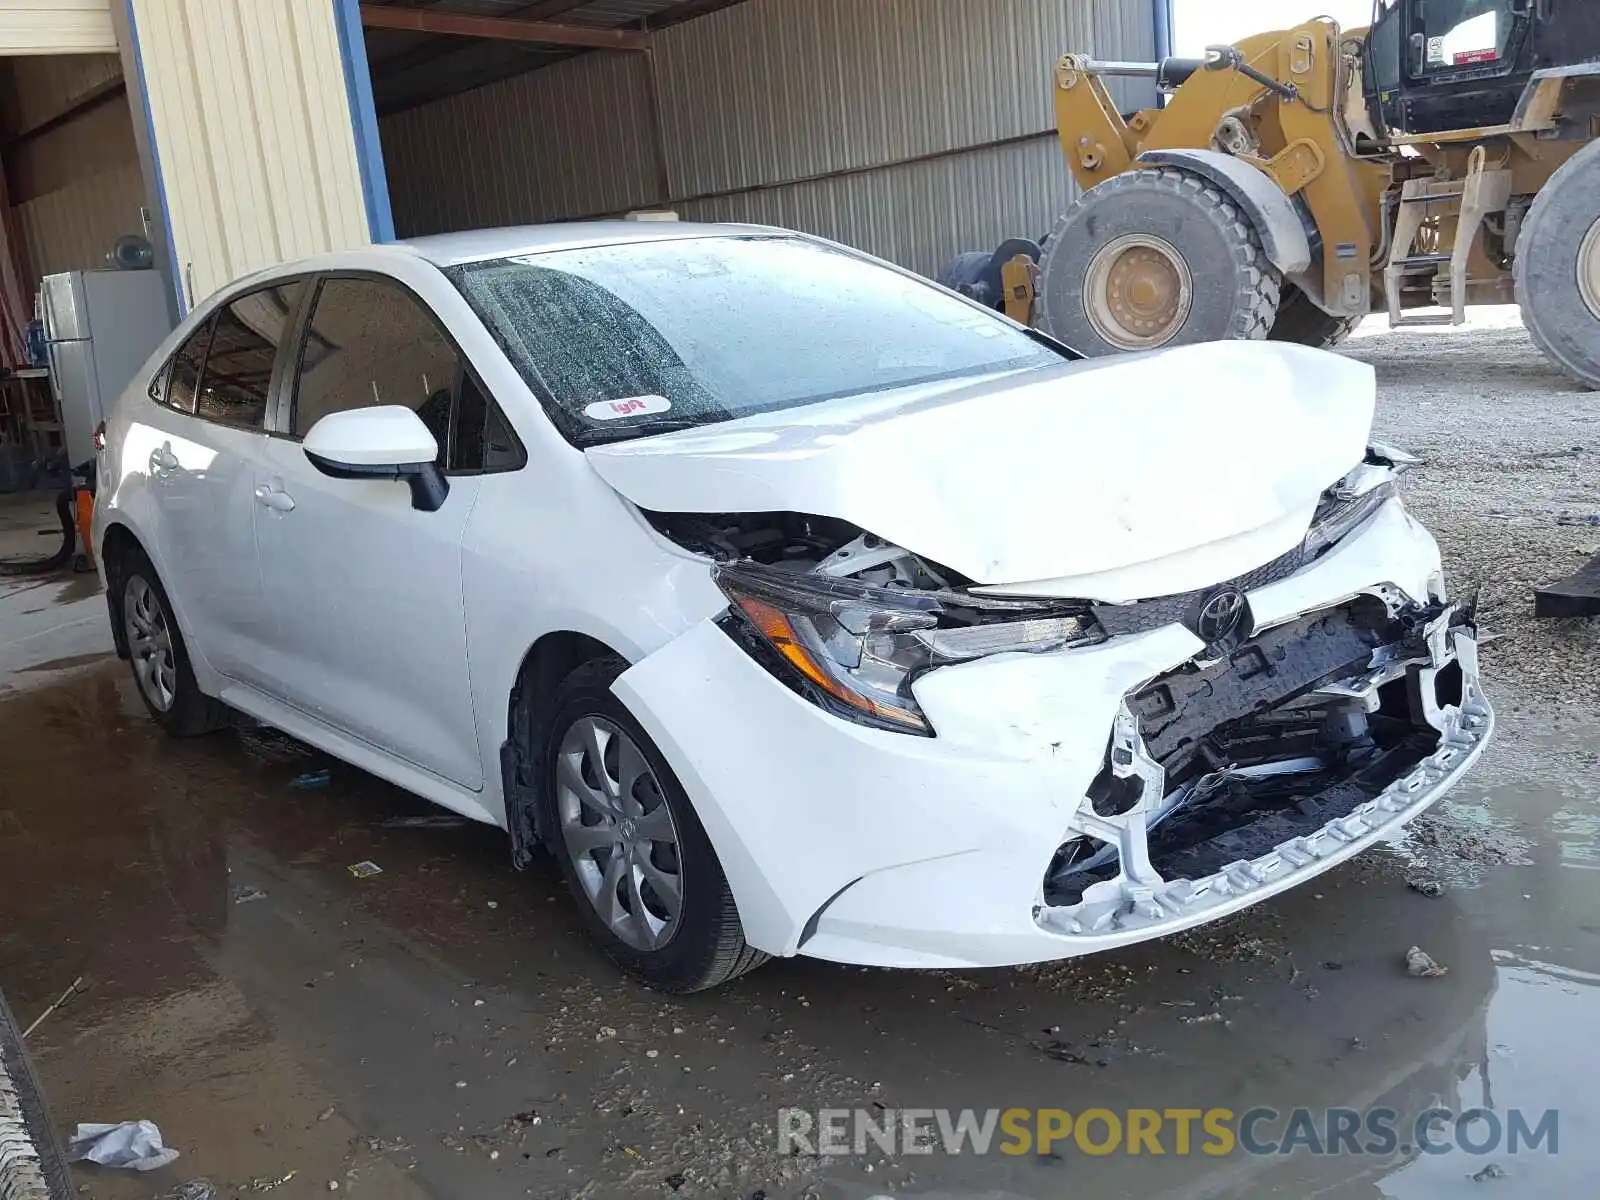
1100, 468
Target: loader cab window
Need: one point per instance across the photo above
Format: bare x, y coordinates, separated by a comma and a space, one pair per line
1461, 34
1385, 56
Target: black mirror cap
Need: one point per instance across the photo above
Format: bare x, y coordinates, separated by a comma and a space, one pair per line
429, 487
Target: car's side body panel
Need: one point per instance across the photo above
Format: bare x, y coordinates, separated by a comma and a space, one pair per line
552, 549
368, 616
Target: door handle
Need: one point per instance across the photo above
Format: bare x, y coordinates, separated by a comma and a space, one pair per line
275, 500
163, 461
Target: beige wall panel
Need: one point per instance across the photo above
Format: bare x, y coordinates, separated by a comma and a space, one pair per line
253, 134
56, 27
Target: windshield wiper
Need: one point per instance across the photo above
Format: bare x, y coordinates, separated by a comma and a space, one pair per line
594, 437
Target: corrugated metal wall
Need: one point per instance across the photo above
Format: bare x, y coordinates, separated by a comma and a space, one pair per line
72, 170
570, 140
72, 228
253, 132
910, 128
56, 27
34, 89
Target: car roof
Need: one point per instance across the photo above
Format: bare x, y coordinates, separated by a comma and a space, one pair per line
452, 249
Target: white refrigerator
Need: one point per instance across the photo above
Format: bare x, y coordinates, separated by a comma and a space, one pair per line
100, 326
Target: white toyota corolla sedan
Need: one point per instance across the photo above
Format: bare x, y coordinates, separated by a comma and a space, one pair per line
794, 604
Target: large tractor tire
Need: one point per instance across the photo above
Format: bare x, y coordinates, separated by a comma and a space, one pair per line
1558, 268
1301, 321
1155, 258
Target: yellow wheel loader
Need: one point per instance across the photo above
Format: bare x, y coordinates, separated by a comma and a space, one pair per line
1302, 179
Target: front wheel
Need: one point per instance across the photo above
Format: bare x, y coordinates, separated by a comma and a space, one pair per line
635, 857
1155, 258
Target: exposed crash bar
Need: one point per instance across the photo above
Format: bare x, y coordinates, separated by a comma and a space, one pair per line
1309, 781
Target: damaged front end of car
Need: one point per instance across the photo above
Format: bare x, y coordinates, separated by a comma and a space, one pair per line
1235, 775
978, 774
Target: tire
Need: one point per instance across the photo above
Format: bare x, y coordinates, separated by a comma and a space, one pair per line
1302, 322
1216, 283
168, 688
1559, 242
25, 1121
964, 273
702, 946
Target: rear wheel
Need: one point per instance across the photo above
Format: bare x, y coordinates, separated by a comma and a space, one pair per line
1155, 258
1301, 321
1558, 268
634, 854
158, 655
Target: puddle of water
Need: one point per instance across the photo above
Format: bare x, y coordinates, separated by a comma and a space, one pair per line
70, 662
123, 855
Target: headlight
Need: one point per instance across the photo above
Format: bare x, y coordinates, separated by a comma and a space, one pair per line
1339, 515
858, 648
1349, 503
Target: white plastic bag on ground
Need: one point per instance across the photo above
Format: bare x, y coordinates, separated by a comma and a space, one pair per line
135, 1145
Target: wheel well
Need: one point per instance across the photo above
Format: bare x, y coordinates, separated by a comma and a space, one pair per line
528, 714
116, 546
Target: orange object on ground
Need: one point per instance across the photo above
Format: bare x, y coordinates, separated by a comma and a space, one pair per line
85, 508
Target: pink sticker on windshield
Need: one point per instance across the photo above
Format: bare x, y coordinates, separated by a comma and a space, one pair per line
633, 406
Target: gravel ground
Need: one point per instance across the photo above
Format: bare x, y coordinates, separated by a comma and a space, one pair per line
1508, 485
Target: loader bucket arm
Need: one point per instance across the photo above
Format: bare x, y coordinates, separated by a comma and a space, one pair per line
1097, 142
1298, 144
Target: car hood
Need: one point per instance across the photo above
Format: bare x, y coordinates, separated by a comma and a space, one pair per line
1106, 479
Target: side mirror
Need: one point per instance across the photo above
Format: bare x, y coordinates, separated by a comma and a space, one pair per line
387, 442
1419, 54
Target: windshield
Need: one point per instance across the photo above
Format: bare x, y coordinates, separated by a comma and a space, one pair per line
628, 340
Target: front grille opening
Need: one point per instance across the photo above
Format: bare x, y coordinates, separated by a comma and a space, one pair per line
1450, 686
1256, 756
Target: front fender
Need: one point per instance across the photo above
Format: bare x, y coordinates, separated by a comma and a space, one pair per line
1283, 235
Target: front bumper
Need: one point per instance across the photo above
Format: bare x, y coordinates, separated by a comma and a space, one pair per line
871, 847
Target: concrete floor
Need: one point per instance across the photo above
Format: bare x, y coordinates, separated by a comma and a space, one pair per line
443, 1030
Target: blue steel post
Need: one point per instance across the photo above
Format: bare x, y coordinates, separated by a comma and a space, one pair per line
364, 119
159, 228
1163, 25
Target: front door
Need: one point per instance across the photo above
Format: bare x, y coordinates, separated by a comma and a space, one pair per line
365, 591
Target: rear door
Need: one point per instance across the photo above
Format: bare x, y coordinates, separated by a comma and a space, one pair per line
206, 440
369, 629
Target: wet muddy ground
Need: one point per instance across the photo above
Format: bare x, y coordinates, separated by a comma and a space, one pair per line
443, 1030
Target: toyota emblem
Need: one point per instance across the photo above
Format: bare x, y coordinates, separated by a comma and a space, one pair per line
1220, 615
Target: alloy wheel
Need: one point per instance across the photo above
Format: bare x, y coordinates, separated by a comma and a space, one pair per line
149, 633
619, 833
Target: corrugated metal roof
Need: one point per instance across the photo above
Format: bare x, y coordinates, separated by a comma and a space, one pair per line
414, 68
